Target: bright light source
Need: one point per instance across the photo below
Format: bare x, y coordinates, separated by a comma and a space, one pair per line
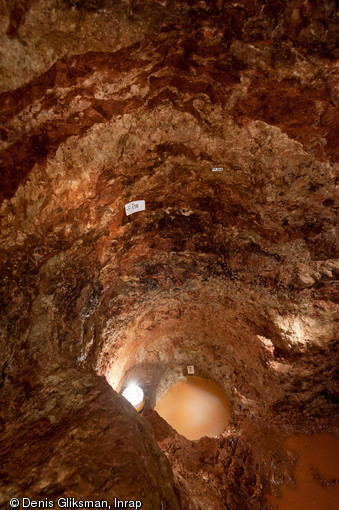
135, 396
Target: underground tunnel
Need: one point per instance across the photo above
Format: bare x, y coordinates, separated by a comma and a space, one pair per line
169, 254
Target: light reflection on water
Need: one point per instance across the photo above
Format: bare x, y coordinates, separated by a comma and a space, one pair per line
316, 472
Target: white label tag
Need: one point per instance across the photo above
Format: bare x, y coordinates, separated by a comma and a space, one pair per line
132, 207
190, 369
217, 169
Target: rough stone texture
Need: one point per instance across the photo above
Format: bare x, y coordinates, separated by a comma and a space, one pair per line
68, 442
236, 271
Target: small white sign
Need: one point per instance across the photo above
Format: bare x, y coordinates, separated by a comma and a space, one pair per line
190, 369
136, 206
217, 169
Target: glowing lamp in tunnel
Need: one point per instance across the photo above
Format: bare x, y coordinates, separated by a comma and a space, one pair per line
135, 396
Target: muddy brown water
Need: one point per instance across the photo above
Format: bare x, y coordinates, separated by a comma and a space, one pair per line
195, 407
316, 475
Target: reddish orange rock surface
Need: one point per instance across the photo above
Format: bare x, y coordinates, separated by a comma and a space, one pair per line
103, 103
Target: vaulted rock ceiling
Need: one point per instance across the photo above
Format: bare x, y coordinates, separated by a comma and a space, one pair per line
104, 103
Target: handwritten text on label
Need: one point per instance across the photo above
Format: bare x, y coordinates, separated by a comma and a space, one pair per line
136, 206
